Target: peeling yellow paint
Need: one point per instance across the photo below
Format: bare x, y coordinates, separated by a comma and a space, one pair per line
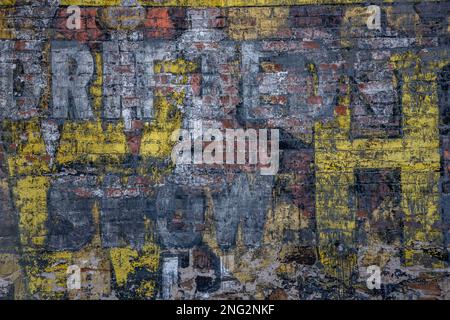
126, 260
156, 139
254, 23
128, 19
9, 264
7, 2
146, 289
416, 154
94, 263
6, 32
89, 142
96, 88
122, 262
46, 273
178, 66
31, 156
312, 69
31, 202
217, 3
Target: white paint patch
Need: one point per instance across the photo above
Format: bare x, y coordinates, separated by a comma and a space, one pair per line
169, 276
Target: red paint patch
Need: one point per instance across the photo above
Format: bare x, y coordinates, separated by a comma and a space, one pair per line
341, 110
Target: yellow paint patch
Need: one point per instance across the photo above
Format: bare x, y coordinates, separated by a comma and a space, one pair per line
146, 289
126, 260
46, 273
178, 66
9, 264
156, 140
312, 70
6, 31
253, 23
216, 3
122, 262
122, 18
31, 202
96, 88
31, 156
7, 2
88, 142
91, 2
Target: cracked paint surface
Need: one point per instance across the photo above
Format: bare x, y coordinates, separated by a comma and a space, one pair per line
87, 119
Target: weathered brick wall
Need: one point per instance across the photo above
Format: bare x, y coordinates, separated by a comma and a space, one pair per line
359, 92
